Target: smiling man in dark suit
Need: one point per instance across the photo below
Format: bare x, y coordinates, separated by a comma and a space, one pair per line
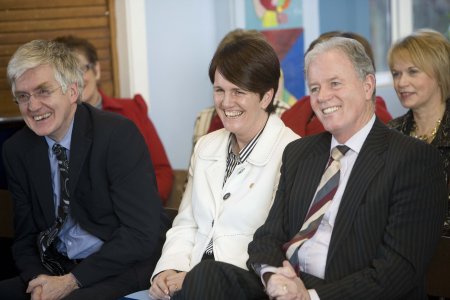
87, 222
362, 225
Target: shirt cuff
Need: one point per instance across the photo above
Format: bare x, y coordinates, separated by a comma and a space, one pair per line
266, 269
313, 295
262, 269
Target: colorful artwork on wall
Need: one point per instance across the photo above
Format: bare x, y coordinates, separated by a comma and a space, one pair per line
281, 21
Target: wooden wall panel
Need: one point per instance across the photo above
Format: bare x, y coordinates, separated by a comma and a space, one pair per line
48, 25
51, 13
33, 4
24, 20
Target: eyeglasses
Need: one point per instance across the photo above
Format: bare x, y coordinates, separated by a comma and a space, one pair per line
41, 94
87, 67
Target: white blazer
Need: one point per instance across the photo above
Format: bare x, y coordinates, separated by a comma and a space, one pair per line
228, 214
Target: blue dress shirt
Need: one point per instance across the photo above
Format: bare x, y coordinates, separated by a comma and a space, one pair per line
74, 241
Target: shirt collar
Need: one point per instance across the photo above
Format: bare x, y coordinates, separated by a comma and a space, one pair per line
65, 142
357, 140
245, 152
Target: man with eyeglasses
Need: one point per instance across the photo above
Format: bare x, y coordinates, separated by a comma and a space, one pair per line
88, 217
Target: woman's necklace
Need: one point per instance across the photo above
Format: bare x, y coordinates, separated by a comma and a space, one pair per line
425, 137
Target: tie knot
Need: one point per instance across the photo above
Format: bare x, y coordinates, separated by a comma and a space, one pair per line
60, 152
339, 151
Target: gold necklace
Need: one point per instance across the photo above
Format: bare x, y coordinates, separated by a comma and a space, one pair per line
425, 137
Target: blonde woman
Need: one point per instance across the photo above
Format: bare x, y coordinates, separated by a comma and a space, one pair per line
420, 65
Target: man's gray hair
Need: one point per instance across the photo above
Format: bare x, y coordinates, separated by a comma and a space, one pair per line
351, 48
42, 52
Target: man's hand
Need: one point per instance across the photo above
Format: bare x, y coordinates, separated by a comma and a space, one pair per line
46, 287
166, 283
36, 293
285, 285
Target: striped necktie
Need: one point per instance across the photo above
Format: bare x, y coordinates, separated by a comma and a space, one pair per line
325, 193
47, 237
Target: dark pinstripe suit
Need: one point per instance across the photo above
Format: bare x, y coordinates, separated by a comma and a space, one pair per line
388, 222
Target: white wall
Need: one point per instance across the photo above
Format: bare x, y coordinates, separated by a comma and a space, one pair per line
182, 37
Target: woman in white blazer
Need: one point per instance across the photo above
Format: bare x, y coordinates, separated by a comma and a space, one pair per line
234, 172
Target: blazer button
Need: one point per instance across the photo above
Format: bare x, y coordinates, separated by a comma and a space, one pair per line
226, 196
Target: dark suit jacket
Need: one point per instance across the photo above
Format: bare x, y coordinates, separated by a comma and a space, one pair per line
111, 195
388, 223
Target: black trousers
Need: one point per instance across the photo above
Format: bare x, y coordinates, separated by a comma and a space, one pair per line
134, 279
220, 281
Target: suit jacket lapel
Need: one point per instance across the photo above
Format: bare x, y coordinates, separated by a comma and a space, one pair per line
309, 172
370, 160
40, 176
79, 145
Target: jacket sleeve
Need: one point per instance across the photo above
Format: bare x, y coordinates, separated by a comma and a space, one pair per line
135, 205
24, 249
180, 240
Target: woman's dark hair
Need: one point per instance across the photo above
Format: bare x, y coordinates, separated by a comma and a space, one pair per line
249, 62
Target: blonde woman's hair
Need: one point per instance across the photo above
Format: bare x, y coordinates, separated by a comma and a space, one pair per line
428, 50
